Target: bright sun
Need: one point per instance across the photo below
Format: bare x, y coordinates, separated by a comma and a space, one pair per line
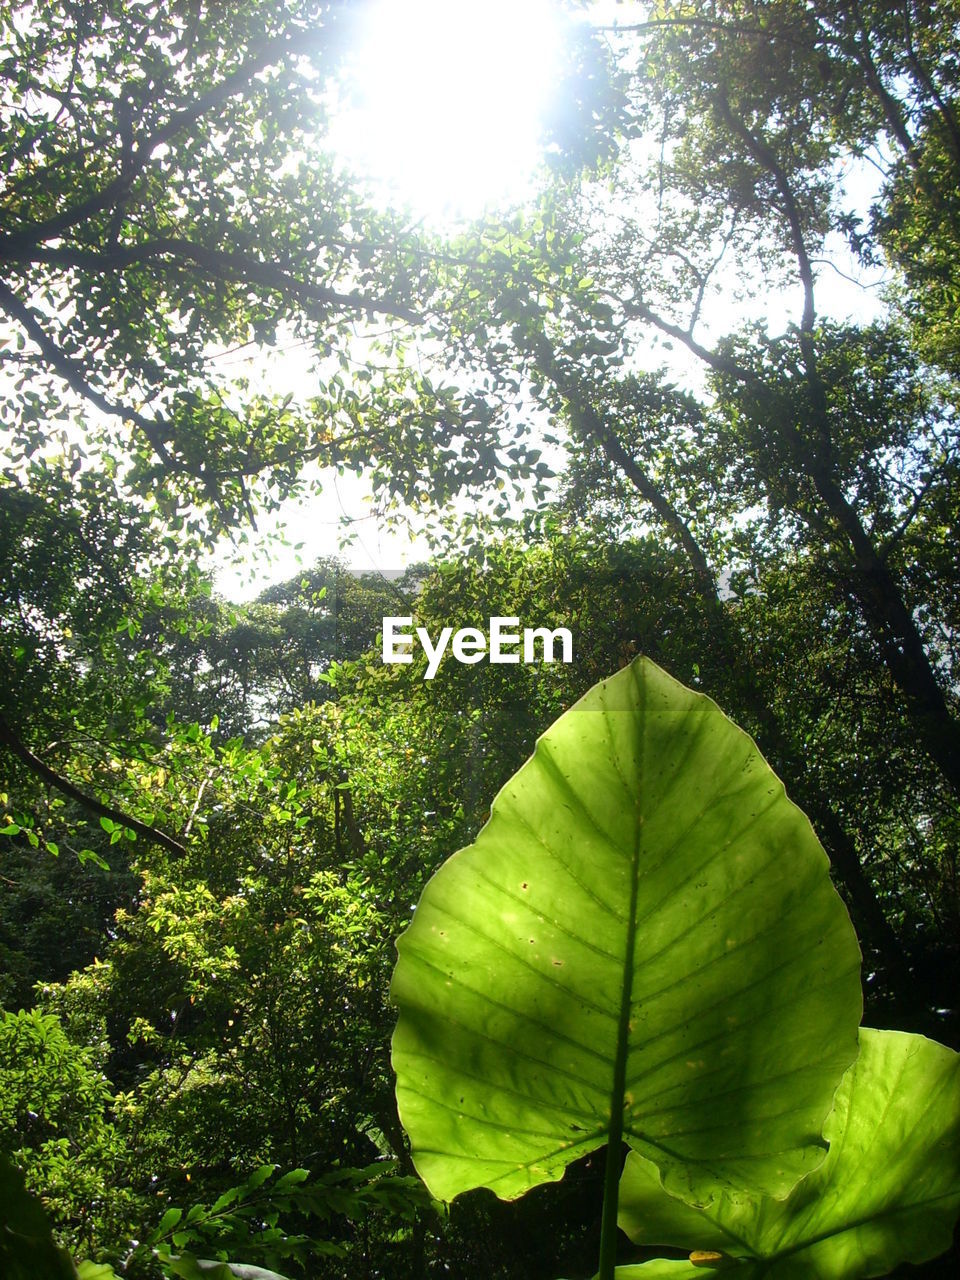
447, 101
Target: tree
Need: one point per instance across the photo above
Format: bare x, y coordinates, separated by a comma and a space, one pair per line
824, 444
754, 143
168, 196
56, 1121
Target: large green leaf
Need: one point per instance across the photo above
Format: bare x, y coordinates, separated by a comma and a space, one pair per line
645, 930
888, 1191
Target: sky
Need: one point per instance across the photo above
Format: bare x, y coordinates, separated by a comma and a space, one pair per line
444, 120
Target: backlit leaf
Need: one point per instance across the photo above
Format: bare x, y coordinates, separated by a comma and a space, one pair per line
645, 926
888, 1192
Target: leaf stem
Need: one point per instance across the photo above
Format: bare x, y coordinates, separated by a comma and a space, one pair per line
611, 1194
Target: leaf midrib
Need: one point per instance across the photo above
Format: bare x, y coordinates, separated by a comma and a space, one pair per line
608, 1229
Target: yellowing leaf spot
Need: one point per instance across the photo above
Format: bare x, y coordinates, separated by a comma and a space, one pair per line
705, 1258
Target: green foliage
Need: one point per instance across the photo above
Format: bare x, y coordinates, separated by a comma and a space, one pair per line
168, 189
54, 912
249, 1221
56, 1120
88, 1270
223, 988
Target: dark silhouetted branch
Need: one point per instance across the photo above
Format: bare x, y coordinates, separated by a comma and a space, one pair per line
14, 744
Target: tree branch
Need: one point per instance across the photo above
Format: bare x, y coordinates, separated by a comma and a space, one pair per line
691, 24
75, 378
764, 157
871, 581
263, 55
773, 739
591, 425
13, 743
240, 266
926, 82
889, 105
913, 510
